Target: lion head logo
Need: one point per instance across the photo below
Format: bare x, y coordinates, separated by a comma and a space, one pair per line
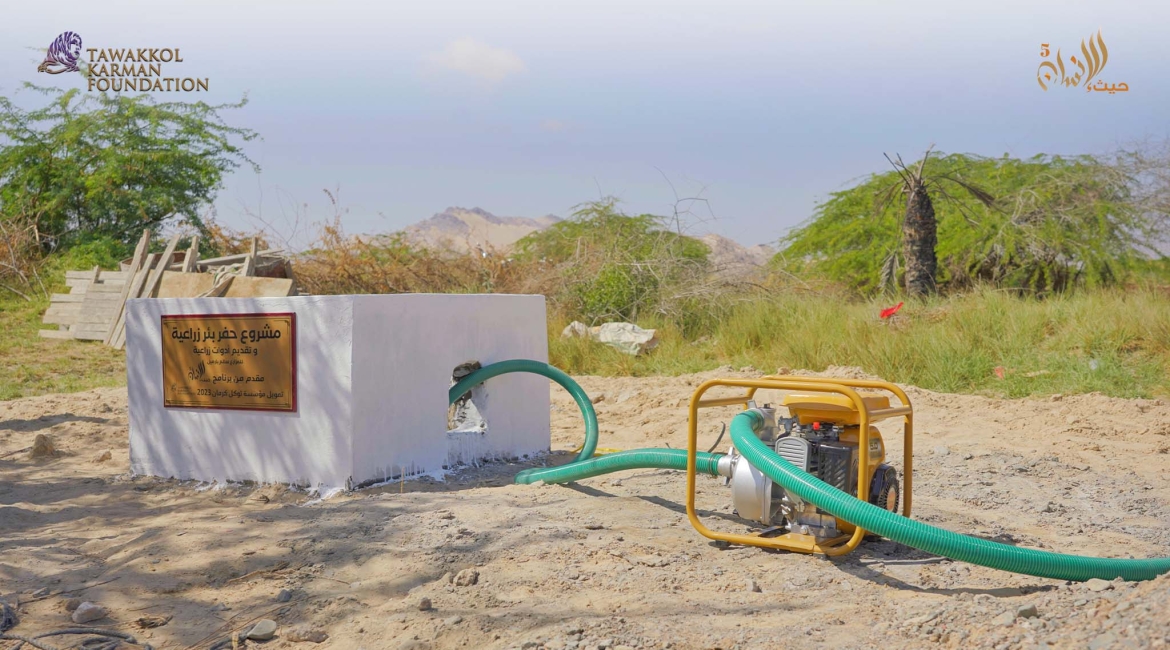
63, 54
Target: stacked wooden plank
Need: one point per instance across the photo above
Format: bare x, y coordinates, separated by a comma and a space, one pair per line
84, 312
95, 307
146, 270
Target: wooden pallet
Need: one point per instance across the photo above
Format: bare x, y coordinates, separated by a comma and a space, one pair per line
88, 307
94, 308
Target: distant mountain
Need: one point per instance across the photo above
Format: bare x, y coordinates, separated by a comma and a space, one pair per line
462, 229
728, 255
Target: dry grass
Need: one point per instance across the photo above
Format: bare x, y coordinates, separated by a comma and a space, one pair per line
20, 258
339, 263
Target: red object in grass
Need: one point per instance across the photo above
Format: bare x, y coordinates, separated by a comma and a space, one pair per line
890, 311
999, 371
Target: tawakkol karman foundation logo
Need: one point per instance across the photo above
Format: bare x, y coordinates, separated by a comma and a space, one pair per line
117, 69
63, 54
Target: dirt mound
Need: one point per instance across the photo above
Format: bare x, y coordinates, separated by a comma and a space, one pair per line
611, 562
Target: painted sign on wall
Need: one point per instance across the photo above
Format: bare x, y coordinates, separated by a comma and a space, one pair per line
230, 361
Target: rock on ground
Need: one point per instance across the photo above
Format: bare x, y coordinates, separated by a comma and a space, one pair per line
88, 612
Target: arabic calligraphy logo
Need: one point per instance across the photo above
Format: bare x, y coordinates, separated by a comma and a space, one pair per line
63, 54
197, 372
1094, 56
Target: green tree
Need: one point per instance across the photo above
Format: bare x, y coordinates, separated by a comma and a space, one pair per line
1056, 223
613, 265
98, 165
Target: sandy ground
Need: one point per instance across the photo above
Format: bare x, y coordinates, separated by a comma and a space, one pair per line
610, 562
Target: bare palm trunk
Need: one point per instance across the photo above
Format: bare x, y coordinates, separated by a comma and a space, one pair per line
919, 237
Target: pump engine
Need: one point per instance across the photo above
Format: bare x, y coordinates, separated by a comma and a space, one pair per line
820, 437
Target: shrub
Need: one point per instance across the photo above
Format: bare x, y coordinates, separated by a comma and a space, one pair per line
611, 266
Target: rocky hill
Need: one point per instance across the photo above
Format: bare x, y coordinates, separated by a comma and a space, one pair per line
728, 255
462, 229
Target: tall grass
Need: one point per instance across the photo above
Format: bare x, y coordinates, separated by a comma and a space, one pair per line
32, 365
1117, 343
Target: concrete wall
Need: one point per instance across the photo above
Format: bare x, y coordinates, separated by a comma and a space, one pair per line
373, 374
409, 345
313, 445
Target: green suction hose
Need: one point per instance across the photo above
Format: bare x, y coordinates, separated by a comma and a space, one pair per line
618, 461
536, 367
928, 538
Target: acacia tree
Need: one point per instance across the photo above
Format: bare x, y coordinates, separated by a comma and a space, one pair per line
89, 165
1057, 223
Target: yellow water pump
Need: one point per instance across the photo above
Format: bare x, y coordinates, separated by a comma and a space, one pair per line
828, 426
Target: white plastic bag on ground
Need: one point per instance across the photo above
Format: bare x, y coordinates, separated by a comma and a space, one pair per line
627, 337
576, 328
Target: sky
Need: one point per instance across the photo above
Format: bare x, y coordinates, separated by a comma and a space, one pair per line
530, 108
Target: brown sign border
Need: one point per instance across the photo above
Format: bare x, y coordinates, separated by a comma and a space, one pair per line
293, 322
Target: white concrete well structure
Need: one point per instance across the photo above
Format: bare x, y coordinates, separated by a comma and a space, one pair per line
371, 376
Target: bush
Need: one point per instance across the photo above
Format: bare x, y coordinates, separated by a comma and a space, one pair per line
614, 293
603, 265
104, 251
